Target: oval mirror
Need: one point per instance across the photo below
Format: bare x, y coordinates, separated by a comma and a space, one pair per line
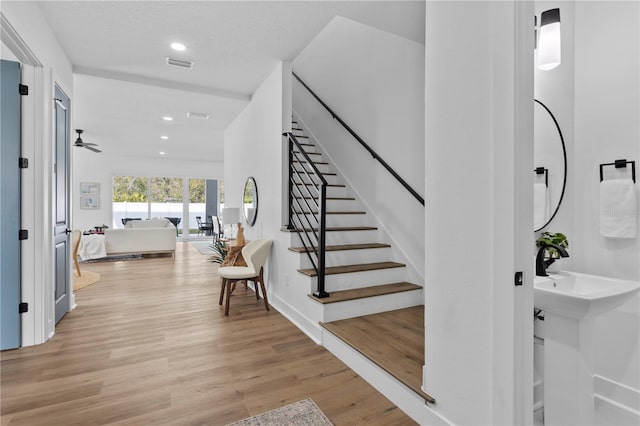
550, 166
250, 202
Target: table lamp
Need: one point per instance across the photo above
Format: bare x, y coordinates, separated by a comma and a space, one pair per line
230, 216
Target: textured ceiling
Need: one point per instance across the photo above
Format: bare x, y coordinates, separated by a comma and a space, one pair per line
235, 45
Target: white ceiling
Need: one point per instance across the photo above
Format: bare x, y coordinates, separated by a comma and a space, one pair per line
123, 86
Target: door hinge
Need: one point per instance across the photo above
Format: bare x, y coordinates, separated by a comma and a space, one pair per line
23, 163
23, 307
518, 278
23, 89
23, 234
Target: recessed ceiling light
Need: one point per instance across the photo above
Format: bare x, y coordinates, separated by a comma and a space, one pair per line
164, 137
167, 118
198, 115
178, 46
162, 153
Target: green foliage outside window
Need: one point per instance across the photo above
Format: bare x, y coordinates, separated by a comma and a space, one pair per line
197, 191
130, 189
166, 190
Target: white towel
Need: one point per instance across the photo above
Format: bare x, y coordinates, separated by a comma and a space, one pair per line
540, 205
92, 247
618, 209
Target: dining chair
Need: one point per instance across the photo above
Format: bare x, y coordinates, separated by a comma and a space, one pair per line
203, 227
255, 255
216, 228
76, 235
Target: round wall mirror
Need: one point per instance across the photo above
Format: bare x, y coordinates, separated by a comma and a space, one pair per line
550, 166
250, 202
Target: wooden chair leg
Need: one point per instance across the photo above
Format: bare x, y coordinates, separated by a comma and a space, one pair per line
255, 286
264, 290
264, 295
222, 289
226, 306
75, 260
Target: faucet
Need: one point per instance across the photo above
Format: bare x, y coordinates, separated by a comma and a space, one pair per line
542, 264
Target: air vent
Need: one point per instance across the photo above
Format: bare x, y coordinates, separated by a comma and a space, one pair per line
198, 115
179, 63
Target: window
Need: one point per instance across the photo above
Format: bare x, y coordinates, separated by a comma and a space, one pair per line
130, 198
174, 198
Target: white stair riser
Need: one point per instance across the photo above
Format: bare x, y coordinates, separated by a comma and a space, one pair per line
333, 205
362, 279
335, 220
331, 179
332, 191
372, 305
323, 168
342, 237
349, 257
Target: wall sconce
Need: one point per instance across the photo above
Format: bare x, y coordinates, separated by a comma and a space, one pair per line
548, 54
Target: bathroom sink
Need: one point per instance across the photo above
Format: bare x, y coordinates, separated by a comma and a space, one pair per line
576, 295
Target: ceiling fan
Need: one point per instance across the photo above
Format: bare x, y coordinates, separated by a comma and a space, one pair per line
79, 142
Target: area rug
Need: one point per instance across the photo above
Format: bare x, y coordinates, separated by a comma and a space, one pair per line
204, 247
114, 258
86, 279
301, 413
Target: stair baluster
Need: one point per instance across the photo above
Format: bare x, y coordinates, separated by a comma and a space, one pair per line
303, 173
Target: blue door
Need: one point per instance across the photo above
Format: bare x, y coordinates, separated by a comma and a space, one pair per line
9, 205
61, 230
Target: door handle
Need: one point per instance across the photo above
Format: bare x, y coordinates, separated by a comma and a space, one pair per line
67, 231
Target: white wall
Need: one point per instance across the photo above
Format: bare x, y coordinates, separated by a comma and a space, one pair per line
100, 167
37, 45
479, 154
607, 127
254, 147
375, 82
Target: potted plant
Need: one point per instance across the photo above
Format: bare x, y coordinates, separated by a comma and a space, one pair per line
555, 238
220, 251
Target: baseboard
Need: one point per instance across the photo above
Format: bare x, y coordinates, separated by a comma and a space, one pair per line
617, 396
312, 330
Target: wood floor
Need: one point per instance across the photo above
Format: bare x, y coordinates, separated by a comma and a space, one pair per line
148, 344
400, 347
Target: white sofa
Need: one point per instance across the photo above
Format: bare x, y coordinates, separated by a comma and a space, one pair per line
142, 236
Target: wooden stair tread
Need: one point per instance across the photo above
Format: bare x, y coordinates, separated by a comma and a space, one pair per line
329, 198
342, 247
311, 172
362, 293
335, 185
345, 212
346, 269
335, 229
324, 163
307, 152
398, 347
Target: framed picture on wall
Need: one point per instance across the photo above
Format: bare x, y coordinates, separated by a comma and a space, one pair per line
89, 188
90, 202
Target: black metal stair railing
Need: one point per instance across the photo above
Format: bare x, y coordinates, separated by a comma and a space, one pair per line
363, 143
307, 207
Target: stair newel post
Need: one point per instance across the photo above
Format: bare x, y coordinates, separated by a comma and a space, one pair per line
321, 241
290, 152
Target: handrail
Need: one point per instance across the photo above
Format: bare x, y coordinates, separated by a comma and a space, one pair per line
363, 143
321, 188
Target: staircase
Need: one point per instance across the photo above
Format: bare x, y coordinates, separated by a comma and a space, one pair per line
363, 273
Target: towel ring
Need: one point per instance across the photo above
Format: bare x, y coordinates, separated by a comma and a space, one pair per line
543, 171
620, 164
